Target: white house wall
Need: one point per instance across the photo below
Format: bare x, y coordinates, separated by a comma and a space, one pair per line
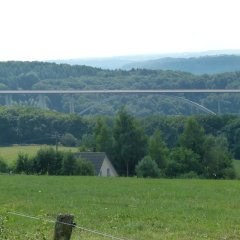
107, 170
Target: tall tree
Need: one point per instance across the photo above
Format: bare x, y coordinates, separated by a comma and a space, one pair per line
129, 143
193, 137
217, 160
183, 161
103, 138
158, 149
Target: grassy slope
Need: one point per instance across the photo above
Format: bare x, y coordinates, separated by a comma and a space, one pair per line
10, 154
132, 208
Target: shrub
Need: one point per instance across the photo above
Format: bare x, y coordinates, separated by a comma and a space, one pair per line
217, 159
68, 140
229, 173
46, 161
23, 164
183, 161
189, 175
147, 168
69, 164
84, 167
3, 166
173, 169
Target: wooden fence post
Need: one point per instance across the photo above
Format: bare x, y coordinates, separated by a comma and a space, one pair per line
63, 231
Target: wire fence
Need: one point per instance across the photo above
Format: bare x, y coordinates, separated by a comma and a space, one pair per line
92, 231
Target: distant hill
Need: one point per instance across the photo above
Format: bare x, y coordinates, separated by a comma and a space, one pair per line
111, 63
104, 63
146, 60
195, 65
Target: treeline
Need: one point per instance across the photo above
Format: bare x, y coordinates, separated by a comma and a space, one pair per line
196, 154
39, 75
20, 125
48, 161
201, 146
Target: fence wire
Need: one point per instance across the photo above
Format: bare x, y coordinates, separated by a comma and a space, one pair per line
96, 232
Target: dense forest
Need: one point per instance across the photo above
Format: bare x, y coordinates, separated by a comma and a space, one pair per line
40, 75
170, 142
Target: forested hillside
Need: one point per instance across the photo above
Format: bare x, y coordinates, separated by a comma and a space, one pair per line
39, 75
195, 65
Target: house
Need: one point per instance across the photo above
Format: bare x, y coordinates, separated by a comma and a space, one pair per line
103, 166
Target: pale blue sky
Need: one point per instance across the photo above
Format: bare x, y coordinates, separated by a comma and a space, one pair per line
64, 29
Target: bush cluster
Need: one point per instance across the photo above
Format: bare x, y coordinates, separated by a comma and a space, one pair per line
197, 155
3, 166
51, 162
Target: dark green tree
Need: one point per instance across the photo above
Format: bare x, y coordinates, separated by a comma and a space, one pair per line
68, 140
158, 150
3, 166
48, 161
193, 137
217, 160
182, 161
129, 143
23, 164
69, 164
103, 137
87, 143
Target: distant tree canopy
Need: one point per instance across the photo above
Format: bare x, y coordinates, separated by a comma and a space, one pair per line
20, 125
40, 75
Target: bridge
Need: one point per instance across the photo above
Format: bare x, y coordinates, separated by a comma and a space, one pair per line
120, 91
8, 94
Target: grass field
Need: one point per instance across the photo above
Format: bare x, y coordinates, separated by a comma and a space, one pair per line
10, 153
136, 209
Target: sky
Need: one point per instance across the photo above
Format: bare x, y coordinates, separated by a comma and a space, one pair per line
68, 29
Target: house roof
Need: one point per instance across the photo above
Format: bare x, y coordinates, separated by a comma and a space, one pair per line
96, 158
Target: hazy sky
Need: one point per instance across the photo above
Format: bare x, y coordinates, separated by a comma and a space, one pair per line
64, 29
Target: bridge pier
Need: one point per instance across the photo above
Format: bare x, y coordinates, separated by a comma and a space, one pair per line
8, 100
71, 104
219, 107
42, 101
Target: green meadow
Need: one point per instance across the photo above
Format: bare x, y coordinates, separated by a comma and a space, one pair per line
130, 208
